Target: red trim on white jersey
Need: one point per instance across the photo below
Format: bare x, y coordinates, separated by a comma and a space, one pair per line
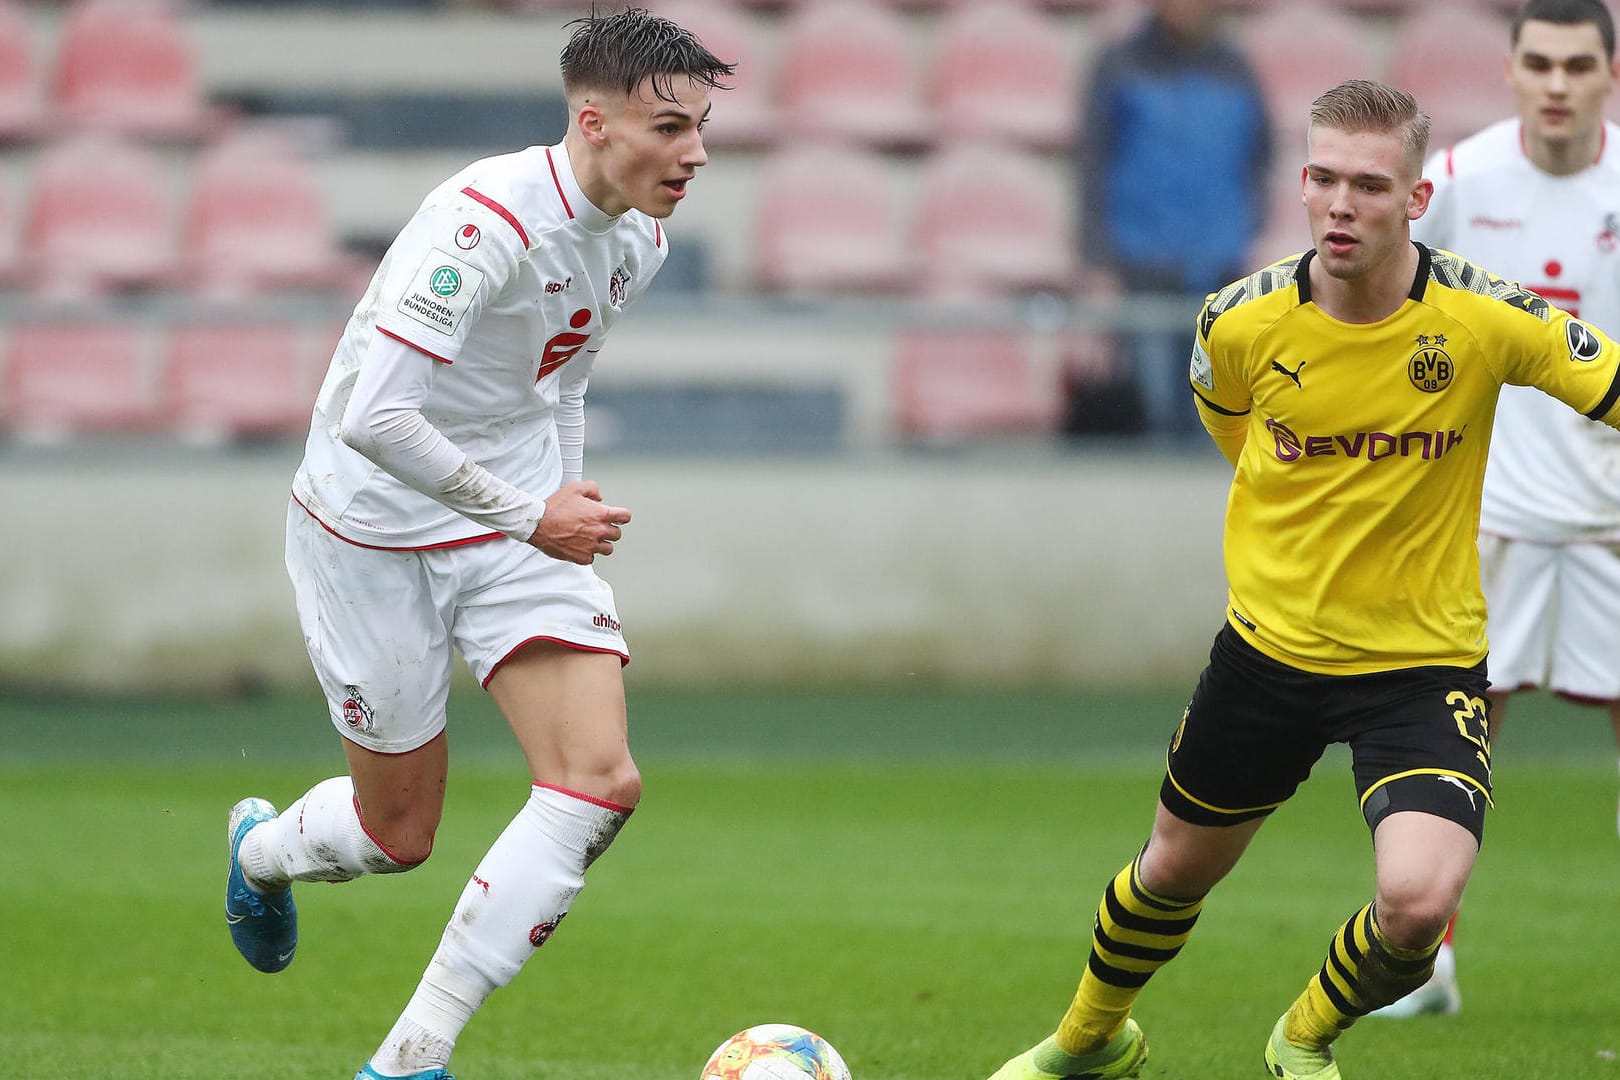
555, 179
413, 345
623, 659
1451, 161
592, 799
658, 233
511, 218
378, 547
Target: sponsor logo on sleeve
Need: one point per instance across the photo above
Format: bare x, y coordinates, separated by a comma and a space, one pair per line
1584, 344
441, 291
1201, 370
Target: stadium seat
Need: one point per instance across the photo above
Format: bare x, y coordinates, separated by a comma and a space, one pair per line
256, 220
1298, 52
1285, 229
22, 99
744, 114
993, 219
98, 218
1004, 72
828, 223
128, 66
66, 379
848, 70
238, 380
1450, 57
955, 383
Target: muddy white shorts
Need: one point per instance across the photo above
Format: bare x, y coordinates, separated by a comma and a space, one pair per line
1554, 616
381, 625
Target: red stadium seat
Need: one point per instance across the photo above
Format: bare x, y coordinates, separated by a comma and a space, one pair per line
957, 383
98, 218
22, 98
828, 223
127, 65
993, 219
228, 381
745, 114
1451, 58
847, 70
1005, 72
65, 379
257, 220
1298, 52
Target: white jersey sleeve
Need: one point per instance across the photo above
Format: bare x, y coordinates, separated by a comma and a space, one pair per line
505, 282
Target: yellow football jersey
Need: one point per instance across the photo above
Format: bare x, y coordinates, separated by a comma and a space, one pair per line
1360, 452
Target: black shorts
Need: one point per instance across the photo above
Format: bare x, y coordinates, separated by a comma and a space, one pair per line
1419, 738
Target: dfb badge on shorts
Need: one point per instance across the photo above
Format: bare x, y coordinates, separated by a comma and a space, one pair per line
356, 713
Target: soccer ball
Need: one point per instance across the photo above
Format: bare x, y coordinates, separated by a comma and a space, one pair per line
775, 1052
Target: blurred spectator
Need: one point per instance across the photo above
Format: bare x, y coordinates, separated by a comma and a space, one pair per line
1172, 162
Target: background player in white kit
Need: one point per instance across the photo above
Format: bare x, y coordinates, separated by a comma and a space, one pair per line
1537, 198
441, 505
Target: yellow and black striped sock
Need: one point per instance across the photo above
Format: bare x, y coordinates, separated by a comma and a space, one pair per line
1363, 971
1136, 933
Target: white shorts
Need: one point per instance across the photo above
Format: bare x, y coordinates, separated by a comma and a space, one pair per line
1554, 616
380, 624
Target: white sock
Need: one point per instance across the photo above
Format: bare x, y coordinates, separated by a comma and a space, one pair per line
1445, 964
317, 838
517, 896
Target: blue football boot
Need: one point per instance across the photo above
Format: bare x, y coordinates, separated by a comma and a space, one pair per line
264, 926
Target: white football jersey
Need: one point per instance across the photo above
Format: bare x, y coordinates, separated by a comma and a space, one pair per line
510, 278
1553, 475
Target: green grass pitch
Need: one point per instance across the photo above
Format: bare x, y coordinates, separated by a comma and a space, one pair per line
911, 874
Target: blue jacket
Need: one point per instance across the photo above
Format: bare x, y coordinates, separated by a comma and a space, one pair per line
1173, 160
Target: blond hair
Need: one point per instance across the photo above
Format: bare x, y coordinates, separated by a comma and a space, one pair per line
1365, 105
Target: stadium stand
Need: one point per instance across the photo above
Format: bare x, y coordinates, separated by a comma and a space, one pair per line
1450, 57
849, 70
1299, 50
828, 223
127, 66
951, 384
62, 379
256, 220
992, 220
747, 109
22, 95
1000, 72
98, 218
849, 166
237, 380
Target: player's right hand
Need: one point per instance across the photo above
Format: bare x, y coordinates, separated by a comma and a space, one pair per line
577, 525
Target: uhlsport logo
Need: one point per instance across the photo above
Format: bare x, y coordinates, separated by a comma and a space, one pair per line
446, 282
604, 621
1431, 367
1370, 445
467, 237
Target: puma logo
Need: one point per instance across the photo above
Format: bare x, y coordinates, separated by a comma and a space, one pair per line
1279, 369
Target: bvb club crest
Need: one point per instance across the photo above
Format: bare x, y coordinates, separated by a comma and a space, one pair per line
1431, 367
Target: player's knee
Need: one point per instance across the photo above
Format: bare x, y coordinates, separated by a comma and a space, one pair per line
622, 785
403, 843
1414, 915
